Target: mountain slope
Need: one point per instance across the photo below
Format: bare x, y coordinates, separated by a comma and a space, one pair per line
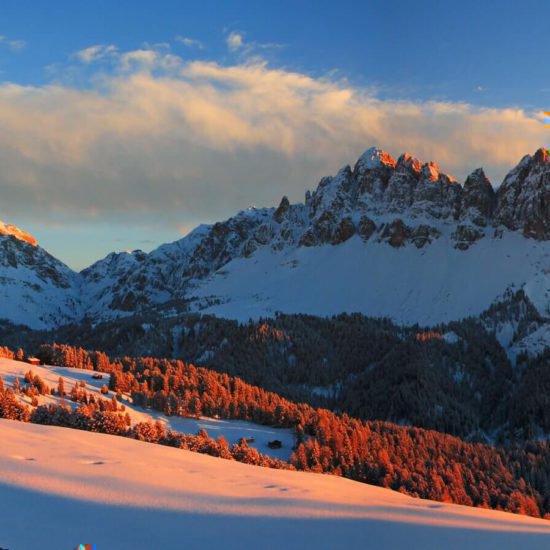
453, 250
101, 489
232, 430
36, 289
438, 284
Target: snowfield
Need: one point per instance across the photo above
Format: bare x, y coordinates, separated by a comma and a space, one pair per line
60, 487
433, 285
231, 430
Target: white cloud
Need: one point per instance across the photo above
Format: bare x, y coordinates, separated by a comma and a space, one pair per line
96, 53
12, 44
16, 44
143, 57
180, 143
190, 42
251, 52
157, 46
235, 41
148, 59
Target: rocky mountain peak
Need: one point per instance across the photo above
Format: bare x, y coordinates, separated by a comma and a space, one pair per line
542, 156
411, 164
476, 178
430, 171
281, 211
524, 197
374, 158
478, 198
11, 230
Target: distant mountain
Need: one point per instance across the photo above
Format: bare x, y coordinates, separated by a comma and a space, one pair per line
388, 237
36, 289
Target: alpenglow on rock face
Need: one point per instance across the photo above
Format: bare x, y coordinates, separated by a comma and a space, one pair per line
8, 229
380, 223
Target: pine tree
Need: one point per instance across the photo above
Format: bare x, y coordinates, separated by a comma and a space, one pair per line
61, 387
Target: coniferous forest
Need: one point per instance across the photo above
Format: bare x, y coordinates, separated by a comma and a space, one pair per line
453, 378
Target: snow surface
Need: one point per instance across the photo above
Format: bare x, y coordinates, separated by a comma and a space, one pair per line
27, 299
533, 344
231, 430
60, 487
435, 284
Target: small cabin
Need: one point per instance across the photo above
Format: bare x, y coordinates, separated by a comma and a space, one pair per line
275, 444
33, 361
97, 376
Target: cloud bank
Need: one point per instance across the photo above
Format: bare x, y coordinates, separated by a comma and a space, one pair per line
177, 142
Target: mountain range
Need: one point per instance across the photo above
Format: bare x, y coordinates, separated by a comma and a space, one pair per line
389, 237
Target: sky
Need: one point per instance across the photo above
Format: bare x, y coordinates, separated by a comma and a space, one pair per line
125, 124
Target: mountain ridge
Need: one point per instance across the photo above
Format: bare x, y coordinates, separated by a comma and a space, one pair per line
381, 201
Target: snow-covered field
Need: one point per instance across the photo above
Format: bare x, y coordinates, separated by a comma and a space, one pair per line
435, 284
60, 487
232, 430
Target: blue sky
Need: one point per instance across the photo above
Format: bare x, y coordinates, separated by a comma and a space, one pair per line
125, 123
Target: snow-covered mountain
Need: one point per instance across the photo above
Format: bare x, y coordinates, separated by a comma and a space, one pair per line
36, 289
388, 237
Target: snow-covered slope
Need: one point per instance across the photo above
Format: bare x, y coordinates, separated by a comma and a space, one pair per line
437, 284
394, 238
232, 430
36, 289
124, 283
121, 493
387, 237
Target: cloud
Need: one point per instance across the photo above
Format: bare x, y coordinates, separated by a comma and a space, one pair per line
190, 42
235, 41
173, 143
12, 44
159, 46
254, 52
95, 53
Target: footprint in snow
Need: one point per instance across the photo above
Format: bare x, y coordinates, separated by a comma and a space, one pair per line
19, 457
